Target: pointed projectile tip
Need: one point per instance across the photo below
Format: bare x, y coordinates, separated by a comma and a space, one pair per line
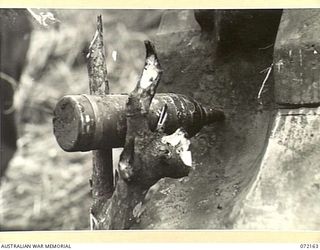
214, 115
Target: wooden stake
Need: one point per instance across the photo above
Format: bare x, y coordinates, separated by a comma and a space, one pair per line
102, 176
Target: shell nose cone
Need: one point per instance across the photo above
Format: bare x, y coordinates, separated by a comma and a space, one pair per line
214, 115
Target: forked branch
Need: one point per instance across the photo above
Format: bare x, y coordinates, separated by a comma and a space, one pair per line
147, 156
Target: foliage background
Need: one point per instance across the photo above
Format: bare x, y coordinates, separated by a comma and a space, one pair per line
46, 188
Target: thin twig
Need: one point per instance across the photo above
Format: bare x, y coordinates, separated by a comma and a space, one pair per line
266, 47
14, 84
43, 17
265, 80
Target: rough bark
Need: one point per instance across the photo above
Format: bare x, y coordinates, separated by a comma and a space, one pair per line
102, 174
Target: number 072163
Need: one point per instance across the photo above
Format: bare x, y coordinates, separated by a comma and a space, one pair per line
309, 246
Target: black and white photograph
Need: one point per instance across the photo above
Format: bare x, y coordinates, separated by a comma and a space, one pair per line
159, 119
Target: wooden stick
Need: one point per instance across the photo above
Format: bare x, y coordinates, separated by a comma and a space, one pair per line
102, 176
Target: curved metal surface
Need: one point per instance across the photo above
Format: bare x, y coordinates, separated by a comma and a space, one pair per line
226, 155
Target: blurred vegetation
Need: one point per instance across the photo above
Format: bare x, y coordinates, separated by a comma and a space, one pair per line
46, 188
